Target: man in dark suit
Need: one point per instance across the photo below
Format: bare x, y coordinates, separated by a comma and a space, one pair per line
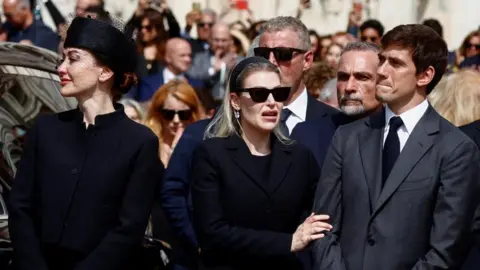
473, 260
178, 59
400, 187
285, 42
356, 83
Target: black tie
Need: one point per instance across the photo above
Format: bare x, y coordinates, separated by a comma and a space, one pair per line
283, 121
391, 149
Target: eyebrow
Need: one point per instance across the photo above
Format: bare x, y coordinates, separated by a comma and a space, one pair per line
355, 73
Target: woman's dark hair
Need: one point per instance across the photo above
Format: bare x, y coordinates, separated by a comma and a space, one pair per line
374, 24
427, 48
435, 25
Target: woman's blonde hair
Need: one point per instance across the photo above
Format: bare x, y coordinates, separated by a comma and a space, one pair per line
457, 96
224, 124
128, 102
181, 91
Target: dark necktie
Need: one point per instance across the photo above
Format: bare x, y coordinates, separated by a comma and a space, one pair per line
391, 149
283, 121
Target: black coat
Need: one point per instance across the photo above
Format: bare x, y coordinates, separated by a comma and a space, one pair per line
82, 197
241, 221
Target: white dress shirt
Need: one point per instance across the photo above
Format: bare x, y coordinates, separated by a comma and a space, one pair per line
168, 75
299, 110
410, 119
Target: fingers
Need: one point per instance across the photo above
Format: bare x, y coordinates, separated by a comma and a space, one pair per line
313, 218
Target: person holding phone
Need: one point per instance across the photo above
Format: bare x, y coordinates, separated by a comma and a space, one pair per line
252, 187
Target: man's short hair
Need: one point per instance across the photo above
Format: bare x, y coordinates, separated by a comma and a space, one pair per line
426, 46
281, 23
435, 25
376, 25
361, 46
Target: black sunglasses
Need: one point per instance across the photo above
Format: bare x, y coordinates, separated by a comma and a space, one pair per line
469, 45
201, 24
260, 94
184, 115
281, 53
371, 39
147, 27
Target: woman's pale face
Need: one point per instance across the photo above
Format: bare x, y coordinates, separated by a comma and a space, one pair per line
333, 56
79, 73
262, 116
132, 113
314, 41
170, 127
471, 46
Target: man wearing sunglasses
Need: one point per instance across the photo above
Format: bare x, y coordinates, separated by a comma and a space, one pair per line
204, 22
286, 43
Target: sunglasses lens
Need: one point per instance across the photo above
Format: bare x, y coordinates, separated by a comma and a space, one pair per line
280, 94
262, 52
258, 94
185, 115
168, 114
283, 54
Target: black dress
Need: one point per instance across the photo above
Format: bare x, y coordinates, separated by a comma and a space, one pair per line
82, 196
246, 208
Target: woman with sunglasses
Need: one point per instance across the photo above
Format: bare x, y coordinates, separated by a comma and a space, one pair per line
252, 186
84, 188
174, 106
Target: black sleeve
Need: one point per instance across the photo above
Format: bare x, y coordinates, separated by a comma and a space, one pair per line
173, 26
135, 210
25, 242
213, 230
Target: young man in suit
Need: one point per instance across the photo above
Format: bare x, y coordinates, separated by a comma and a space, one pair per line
356, 83
400, 186
286, 43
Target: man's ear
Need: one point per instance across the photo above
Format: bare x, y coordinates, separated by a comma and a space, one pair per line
424, 78
308, 60
105, 75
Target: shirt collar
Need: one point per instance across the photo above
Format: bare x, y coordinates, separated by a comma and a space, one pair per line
103, 120
168, 75
299, 106
410, 118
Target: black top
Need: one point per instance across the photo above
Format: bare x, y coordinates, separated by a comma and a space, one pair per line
241, 220
261, 166
83, 195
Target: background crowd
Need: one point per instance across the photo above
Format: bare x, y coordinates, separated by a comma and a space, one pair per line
183, 79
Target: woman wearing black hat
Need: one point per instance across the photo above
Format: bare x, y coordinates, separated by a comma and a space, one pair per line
251, 185
84, 188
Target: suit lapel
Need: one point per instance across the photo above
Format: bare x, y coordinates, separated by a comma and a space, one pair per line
418, 143
280, 164
370, 143
240, 156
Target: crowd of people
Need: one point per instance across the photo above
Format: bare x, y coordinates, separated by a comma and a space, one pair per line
259, 146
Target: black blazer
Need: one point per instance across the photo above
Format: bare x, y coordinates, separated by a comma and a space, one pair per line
82, 197
318, 110
243, 222
420, 219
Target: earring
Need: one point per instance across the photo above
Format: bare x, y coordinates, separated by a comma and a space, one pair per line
236, 113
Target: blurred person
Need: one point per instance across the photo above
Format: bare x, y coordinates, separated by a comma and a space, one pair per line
452, 55
371, 31
133, 28
133, 110
316, 77
324, 43
240, 43
328, 94
255, 29
204, 22
3, 33
315, 40
414, 208
82, 5
456, 97
470, 46
286, 43
356, 81
174, 106
212, 66
84, 189
178, 60
152, 40
22, 26
435, 25
472, 63
342, 38
241, 164
333, 55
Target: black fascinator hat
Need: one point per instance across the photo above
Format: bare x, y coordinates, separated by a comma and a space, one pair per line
109, 44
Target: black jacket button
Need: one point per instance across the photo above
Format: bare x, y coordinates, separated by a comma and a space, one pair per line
74, 171
371, 241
